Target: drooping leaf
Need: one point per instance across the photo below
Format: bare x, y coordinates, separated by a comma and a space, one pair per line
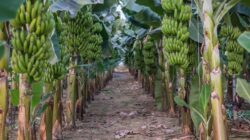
72, 6
154, 5
243, 89
8, 9
243, 40
196, 30
243, 9
148, 17
56, 55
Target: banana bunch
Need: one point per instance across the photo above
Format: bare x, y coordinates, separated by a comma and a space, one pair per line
171, 5
175, 30
230, 32
82, 35
138, 56
97, 27
150, 56
169, 26
54, 72
183, 13
32, 38
233, 50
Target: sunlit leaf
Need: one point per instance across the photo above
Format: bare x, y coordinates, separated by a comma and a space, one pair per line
244, 40
243, 89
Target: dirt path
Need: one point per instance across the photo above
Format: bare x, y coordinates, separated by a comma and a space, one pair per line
122, 110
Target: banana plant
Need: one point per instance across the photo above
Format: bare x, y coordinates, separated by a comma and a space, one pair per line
32, 48
212, 73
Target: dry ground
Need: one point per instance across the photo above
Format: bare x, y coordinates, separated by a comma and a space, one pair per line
122, 110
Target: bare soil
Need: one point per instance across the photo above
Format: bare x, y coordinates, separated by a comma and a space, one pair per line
123, 110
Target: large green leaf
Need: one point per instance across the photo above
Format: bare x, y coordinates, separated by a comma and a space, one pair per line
55, 49
104, 6
140, 14
244, 39
8, 9
196, 30
148, 17
243, 89
154, 5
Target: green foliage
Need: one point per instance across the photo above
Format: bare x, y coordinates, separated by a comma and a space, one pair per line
243, 89
8, 9
244, 40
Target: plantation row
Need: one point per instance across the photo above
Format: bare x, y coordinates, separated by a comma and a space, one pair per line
32, 63
197, 77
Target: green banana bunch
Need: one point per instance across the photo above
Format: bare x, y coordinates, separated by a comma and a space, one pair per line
54, 72
230, 32
233, 50
32, 38
176, 34
150, 56
171, 5
82, 35
138, 56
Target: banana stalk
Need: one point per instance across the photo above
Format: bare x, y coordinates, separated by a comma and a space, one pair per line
24, 127
57, 111
185, 113
3, 104
46, 122
169, 89
211, 57
71, 98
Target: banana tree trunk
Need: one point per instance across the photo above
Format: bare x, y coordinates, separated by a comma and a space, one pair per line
169, 89
24, 127
71, 98
46, 121
3, 104
185, 112
211, 56
57, 111
163, 92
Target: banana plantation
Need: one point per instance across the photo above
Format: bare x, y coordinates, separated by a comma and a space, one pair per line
125, 69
